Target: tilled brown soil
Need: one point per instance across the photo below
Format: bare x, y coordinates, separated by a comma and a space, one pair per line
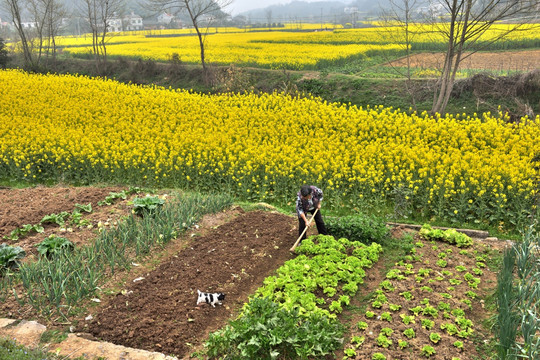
29, 205
525, 60
159, 312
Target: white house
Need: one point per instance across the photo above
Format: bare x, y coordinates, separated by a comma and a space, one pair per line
114, 24
432, 9
29, 24
165, 18
133, 22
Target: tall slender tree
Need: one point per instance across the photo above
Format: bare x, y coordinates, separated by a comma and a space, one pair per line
98, 14
15, 8
200, 13
462, 23
47, 16
399, 27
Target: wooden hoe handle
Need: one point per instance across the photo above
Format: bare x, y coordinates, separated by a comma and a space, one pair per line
303, 232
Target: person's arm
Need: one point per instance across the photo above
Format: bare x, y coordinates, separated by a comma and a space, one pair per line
300, 210
318, 193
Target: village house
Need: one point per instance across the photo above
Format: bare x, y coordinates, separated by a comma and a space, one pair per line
165, 18
133, 22
114, 23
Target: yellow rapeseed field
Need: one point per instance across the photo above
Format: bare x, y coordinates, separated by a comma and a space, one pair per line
83, 130
265, 49
281, 49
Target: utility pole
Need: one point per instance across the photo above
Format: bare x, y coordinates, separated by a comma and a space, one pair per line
321, 17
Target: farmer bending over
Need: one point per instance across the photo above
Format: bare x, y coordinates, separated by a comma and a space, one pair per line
308, 199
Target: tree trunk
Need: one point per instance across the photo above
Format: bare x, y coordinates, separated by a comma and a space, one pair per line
16, 15
453, 56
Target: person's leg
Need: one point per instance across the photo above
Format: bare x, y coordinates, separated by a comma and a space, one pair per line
301, 227
321, 228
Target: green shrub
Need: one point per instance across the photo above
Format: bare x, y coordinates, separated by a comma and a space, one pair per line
10, 256
363, 228
266, 331
4, 58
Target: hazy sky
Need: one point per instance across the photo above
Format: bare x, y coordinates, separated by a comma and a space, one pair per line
239, 6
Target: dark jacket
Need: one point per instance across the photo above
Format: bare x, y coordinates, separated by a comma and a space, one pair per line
303, 206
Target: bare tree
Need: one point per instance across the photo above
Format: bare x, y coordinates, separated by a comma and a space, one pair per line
47, 16
15, 8
53, 24
268, 15
99, 14
398, 20
198, 11
462, 24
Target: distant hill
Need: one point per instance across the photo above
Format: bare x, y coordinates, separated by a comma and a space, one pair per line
297, 9
331, 10
312, 11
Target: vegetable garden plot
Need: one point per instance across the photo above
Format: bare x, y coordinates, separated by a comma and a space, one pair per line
30, 205
159, 312
427, 307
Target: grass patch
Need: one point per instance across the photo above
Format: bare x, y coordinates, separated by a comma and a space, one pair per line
9, 350
53, 337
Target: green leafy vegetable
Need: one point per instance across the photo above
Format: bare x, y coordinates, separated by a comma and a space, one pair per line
10, 256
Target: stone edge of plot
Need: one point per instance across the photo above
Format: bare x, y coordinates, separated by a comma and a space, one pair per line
28, 333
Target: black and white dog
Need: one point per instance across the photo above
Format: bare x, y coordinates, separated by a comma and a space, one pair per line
210, 298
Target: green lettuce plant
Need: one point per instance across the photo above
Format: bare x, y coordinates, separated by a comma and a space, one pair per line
409, 333
428, 351
10, 256
16, 234
53, 245
147, 204
265, 330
